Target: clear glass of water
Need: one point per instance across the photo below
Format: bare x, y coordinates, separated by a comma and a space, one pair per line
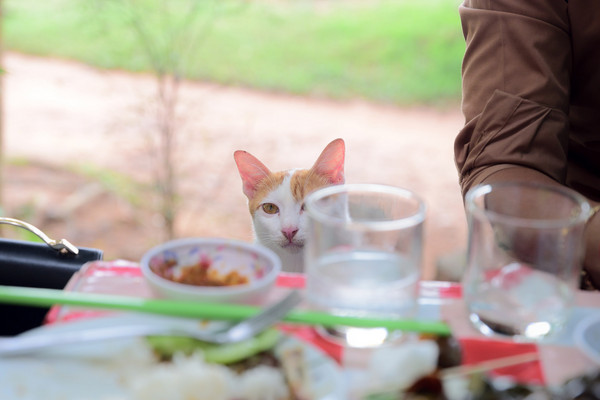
524, 258
363, 255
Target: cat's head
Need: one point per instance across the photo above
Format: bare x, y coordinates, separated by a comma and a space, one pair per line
276, 199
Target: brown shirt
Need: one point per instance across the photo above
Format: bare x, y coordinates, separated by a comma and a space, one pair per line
531, 90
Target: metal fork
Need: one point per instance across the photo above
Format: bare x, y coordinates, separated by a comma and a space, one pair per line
28, 343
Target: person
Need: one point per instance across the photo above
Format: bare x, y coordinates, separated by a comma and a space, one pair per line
531, 99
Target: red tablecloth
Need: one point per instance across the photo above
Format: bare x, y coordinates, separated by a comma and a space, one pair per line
124, 278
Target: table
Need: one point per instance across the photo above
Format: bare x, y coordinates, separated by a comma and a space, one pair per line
439, 300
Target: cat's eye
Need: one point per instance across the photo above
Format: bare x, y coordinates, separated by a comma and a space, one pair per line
270, 208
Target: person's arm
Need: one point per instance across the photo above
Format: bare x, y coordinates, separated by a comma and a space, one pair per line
516, 82
516, 87
592, 253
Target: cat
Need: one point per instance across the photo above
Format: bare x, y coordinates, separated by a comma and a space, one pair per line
275, 200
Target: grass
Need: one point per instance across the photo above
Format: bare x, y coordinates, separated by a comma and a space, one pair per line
391, 51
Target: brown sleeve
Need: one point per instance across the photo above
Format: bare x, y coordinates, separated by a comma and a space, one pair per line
516, 74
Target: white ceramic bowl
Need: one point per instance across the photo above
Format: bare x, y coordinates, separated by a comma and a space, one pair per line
222, 258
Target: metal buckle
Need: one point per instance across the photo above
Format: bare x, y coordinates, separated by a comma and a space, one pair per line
63, 246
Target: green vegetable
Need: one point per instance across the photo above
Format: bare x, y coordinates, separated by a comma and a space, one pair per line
383, 396
166, 346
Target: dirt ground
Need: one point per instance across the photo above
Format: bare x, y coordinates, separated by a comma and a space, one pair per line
63, 117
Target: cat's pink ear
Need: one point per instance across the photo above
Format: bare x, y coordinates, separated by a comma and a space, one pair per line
251, 170
331, 162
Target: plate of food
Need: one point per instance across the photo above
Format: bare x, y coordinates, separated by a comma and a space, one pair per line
273, 365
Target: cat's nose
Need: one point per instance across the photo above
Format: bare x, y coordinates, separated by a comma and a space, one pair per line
289, 233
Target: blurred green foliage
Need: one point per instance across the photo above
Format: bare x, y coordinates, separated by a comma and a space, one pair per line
392, 51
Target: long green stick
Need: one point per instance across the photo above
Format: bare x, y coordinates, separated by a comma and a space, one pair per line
49, 297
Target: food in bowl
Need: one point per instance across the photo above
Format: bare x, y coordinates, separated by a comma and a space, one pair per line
198, 273
211, 270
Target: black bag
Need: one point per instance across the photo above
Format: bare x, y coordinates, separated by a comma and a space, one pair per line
40, 265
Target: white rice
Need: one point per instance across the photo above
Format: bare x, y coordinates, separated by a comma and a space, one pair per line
190, 378
396, 368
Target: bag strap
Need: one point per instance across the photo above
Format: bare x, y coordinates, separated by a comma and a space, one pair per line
62, 245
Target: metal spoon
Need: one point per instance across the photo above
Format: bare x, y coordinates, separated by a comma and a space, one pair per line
28, 343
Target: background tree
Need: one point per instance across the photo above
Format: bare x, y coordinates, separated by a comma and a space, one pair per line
167, 32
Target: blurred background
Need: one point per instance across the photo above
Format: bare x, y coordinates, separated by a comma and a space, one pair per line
119, 118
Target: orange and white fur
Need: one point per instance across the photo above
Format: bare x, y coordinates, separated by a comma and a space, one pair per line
276, 200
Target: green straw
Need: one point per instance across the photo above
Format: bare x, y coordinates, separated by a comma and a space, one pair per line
48, 297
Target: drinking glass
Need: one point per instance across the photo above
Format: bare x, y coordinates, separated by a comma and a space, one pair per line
524, 257
363, 255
